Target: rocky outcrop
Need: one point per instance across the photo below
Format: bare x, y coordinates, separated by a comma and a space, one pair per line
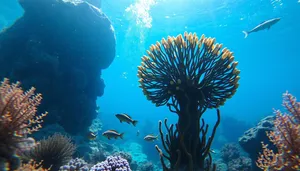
60, 47
251, 140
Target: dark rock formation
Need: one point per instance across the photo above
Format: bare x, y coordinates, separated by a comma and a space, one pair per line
251, 140
60, 47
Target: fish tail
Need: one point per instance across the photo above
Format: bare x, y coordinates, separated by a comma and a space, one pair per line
122, 135
246, 34
134, 122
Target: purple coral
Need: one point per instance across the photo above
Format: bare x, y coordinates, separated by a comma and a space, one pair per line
112, 163
75, 164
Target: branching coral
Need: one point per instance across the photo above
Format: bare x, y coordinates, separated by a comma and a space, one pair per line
112, 163
17, 117
286, 137
188, 75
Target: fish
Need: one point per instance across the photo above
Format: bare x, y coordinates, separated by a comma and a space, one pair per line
126, 118
212, 151
138, 133
91, 135
109, 134
262, 26
150, 137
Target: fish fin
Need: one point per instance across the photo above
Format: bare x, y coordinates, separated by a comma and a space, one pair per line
246, 34
108, 138
134, 122
120, 121
121, 135
269, 27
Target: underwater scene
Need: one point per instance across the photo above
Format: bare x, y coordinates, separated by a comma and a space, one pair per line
149, 85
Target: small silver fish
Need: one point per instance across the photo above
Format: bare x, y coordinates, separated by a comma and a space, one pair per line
264, 25
212, 151
126, 118
109, 134
151, 137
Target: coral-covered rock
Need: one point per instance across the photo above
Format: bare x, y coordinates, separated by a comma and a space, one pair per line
221, 166
134, 165
112, 163
97, 156
229, 152
251, 140
124, 155
240, 164
75, 164
60, 48
146, 166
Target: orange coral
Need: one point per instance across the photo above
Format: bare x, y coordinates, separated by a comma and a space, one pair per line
17, 119
286, 137
32, 166
18, 109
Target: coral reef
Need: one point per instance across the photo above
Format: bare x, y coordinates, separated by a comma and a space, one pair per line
18, 118
112, 163
53, 152
231, 156
135, 149
189, 75
96, 125
62, 58
146, 166
221, 166
252, 138
96, 151
75, 164
229, 152
286, 137
97, 156
241, 163
124, 155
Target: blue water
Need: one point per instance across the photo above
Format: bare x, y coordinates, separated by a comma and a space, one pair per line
268, 59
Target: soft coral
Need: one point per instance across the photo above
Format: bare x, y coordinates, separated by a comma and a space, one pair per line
17, 118
286, 137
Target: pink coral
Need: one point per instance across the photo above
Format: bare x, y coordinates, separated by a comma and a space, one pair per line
286, 137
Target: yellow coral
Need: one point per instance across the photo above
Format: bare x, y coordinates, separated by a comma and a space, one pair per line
203, 69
